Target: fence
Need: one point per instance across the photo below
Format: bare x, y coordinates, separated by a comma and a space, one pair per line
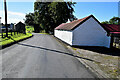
2, 35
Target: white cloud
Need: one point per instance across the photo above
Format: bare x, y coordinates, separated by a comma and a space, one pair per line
13, 17
16, 13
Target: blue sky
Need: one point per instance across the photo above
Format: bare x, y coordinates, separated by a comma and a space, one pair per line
101, 10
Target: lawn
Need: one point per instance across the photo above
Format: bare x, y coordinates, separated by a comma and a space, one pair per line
16, 37
29, 29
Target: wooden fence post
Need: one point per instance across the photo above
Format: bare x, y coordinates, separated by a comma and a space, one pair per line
14, 32
11, 32
17, 32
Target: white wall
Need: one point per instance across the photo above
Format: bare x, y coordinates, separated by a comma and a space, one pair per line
90, 33
66, 36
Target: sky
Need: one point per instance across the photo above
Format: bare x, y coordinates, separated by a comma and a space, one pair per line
103, 11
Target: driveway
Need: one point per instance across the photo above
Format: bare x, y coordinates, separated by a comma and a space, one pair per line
41, 56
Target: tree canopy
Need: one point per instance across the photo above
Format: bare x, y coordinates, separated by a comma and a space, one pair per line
29, 19
114, 20
50, 14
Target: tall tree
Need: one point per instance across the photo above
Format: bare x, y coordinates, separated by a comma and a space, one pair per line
51, 14
29, 19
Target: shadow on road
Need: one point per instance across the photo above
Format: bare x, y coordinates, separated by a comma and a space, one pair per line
70, 54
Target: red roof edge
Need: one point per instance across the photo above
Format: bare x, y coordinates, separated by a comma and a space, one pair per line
83, 20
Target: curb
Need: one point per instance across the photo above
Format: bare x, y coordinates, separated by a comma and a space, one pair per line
7, 45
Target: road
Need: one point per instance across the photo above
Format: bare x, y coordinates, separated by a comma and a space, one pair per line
41, 56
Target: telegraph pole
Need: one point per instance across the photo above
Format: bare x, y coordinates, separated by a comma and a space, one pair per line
5, 6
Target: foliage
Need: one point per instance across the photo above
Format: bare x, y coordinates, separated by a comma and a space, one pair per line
114, 20
29, 19
105, 22
29, 29
49, 15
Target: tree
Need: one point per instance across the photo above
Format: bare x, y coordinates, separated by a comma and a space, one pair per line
29, 19
114, 20
105, 22
51, 14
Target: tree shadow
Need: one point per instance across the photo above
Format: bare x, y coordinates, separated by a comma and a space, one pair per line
101, 50
70, 54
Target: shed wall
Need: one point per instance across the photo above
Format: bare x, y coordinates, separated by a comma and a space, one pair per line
66, 36
90, 33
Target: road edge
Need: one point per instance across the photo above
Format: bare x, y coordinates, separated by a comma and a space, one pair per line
99, 75
10, 44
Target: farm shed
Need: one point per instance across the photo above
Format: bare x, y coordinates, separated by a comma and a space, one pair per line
113, 31
83, 32
20, 27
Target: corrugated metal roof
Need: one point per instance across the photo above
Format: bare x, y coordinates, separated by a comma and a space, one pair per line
71, 25
111, 27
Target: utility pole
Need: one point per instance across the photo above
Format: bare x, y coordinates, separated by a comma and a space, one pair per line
5, 6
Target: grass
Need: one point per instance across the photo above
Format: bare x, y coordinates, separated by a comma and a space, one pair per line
29, 29
9, 33
107, 63
17, 37
116, 45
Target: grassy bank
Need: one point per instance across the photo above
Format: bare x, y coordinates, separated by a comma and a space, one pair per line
17, 37
29, 29
103, 60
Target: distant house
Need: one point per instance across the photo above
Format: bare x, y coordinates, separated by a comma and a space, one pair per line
3, 28
11, 26
87, 31
20, 27
114, 32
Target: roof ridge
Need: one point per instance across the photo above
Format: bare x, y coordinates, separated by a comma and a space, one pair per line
72, 25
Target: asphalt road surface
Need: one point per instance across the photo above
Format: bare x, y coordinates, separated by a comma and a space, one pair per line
41, 56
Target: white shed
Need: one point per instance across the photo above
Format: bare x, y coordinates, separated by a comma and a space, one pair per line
83, 32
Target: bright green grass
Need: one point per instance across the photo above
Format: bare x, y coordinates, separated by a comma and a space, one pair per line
29, 29
9, 33
17, 37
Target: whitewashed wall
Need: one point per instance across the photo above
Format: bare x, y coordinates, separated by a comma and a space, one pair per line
90, 33
66, 36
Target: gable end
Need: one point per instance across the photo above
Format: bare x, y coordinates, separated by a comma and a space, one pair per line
89, 18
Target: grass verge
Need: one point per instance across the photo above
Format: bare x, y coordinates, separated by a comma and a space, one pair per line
29, 29
11, 39
107, 63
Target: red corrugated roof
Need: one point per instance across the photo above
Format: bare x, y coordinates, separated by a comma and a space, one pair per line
71, 25
115, 32
111, 27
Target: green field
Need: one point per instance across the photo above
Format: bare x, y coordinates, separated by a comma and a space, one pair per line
29, 29
17, 37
